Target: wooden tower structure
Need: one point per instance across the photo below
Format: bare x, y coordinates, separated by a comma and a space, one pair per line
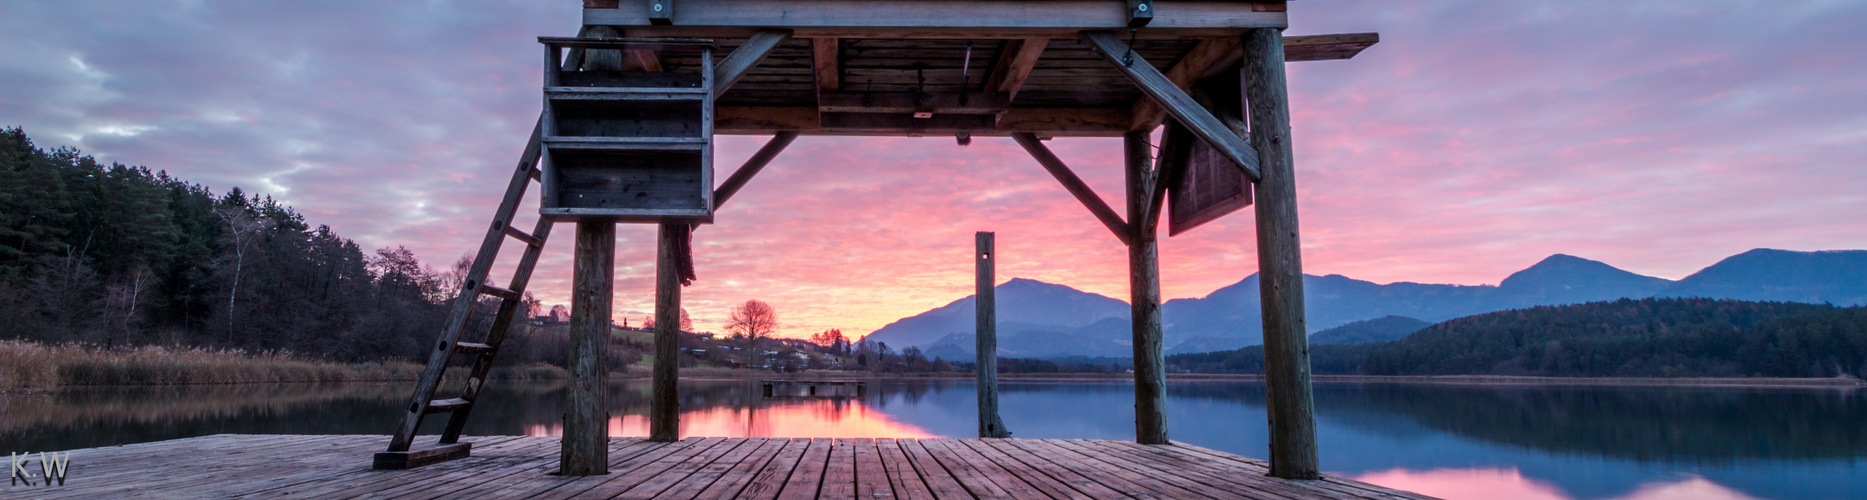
632, 104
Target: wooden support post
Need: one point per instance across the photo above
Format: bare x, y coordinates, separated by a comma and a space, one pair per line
1280, 263
664, 409
1150, 376
585, 449
985, 333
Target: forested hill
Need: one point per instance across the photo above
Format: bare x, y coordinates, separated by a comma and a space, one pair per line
120, 255
1638, 338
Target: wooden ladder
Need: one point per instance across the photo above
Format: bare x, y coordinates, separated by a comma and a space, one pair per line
511, 298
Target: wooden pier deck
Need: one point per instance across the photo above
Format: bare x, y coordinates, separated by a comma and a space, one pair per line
338, 466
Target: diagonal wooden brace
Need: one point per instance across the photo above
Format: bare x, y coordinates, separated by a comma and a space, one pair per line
1075, 185
1176, 102
744, 58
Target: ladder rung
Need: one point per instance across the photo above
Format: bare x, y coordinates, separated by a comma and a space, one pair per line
447, 405
537, 174
499, 292
516, 234
472, 348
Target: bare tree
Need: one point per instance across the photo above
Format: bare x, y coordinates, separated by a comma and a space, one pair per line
753, 320
242, 230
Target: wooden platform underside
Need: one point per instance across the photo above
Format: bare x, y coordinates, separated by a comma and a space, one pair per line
338, 466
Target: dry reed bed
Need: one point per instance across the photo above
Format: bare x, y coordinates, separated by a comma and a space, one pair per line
33, 366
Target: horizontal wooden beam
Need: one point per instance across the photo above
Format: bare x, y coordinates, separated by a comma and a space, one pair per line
1175, 101
1060, 122
975, 103
1214, 55
1075, 185
1327, 47
941, 18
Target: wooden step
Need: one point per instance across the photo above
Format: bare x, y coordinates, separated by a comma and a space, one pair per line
516, 234
400, 460
626, 143
626, 93
500, 292
472, 348
447, 405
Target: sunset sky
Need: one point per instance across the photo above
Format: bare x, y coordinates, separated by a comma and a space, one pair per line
1476, 139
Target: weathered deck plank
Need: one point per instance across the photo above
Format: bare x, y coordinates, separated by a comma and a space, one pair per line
335, 466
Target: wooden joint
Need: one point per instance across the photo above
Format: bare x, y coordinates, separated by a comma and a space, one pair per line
747, 56
1175, 101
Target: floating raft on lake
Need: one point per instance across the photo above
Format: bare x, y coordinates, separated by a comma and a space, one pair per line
263, 466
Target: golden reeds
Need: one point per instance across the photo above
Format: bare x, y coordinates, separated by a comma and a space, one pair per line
33, 366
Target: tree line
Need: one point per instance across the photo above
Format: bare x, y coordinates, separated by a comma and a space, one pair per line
1673, 337
118, 255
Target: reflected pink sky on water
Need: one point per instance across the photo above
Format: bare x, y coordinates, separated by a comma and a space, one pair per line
1489, 483
818, 419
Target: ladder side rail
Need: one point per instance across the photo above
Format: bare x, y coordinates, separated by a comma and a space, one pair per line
463, 306
502, 321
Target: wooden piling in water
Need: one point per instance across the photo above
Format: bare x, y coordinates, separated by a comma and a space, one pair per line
985, 333
585, 447
1280, 262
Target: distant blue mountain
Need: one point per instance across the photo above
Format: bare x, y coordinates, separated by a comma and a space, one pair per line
1039, 319
1023, 305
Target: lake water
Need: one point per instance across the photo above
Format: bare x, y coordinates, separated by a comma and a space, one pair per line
1584, 442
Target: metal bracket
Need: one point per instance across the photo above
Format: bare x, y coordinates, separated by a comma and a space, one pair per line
661, 12
1140, 12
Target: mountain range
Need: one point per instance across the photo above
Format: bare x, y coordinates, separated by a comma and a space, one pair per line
1038, 319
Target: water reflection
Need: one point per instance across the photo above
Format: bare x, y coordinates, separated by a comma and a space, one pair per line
1449, 441
794, 418
1489, 483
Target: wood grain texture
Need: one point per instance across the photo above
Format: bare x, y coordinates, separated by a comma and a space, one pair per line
985, 334
825, 55
584, 450
325, 466
1280, 262
664, 413
1150, 375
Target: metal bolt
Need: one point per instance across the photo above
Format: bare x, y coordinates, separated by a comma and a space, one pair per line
657, 7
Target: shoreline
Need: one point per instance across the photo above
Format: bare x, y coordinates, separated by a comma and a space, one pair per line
1484, 380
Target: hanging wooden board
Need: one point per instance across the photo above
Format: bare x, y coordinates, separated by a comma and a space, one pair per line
1204, 185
